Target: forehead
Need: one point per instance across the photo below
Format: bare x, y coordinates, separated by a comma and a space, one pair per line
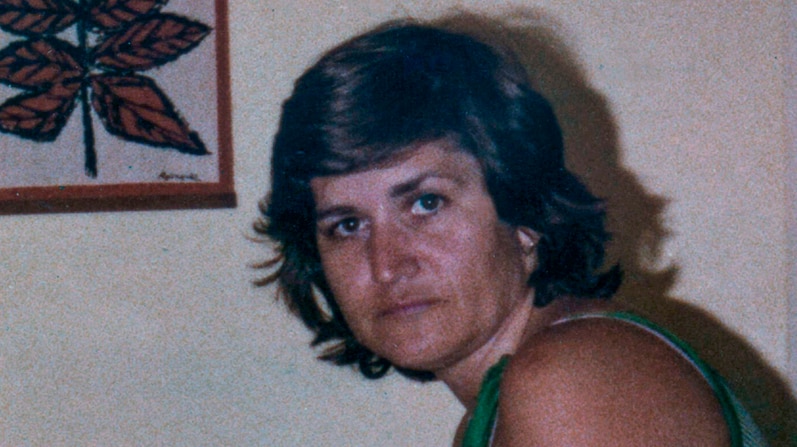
440, 160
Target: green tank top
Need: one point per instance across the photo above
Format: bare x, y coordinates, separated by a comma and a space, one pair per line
743, 431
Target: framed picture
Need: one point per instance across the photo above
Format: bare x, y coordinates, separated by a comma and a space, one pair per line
114, 105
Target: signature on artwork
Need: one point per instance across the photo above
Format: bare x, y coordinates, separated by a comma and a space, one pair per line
116, 39
166, 176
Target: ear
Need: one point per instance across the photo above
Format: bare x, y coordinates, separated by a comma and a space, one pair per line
527, 240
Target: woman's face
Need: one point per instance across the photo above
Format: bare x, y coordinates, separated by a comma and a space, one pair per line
422, 268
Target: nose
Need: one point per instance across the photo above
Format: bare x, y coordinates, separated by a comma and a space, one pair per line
391, 253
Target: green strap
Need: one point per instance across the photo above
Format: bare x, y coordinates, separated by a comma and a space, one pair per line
480, 426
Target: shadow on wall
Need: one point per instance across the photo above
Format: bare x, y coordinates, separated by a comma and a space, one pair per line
634, 215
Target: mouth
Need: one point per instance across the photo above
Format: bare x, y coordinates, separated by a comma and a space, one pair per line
407, 309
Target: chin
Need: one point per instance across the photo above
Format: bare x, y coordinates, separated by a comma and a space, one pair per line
417, 357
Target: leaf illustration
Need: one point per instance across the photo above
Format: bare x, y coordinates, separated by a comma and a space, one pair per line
40, 64
154, 41
35, 17
114, 38
39, 116
113, 14
134, 108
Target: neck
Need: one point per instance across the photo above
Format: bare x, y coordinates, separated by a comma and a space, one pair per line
464, 378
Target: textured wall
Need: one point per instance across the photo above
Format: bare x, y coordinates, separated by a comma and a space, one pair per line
143, 329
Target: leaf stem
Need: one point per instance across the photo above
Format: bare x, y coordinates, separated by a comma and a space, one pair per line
88, 128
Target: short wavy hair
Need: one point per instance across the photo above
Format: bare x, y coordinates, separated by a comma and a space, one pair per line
378, 95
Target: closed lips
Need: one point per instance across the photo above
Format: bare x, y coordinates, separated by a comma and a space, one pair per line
408, 308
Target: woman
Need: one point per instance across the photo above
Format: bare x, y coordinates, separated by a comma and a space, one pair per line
425, 221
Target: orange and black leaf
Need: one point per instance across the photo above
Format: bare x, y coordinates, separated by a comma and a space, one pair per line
39, 116
39, 64
37, 17
134, 108
151, 42
113, 14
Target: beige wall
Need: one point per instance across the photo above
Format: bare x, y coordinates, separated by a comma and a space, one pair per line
143, 329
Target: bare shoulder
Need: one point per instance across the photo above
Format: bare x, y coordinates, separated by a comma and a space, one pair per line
601, 382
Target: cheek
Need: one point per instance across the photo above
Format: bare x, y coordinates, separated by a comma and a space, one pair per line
494, 260
344, 274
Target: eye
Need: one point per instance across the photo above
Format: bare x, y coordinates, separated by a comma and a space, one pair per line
426, 204
345, 227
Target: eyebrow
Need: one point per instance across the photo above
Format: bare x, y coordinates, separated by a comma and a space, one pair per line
333, 211
411, 185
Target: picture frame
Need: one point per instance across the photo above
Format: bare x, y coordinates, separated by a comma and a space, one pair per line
116, 105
